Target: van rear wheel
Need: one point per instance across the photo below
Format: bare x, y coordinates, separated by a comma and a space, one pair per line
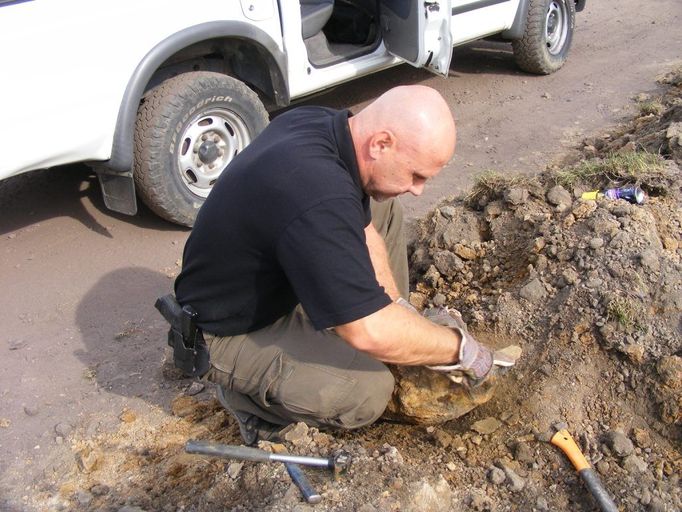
188, 130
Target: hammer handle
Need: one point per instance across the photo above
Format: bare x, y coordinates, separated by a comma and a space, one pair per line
299, 478
597, 490
564, 440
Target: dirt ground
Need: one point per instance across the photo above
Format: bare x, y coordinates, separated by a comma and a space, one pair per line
91, 418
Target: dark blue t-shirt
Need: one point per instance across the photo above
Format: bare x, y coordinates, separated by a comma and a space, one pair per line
284, 224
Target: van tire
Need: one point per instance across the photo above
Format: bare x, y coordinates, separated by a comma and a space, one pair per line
188, 129
546, 40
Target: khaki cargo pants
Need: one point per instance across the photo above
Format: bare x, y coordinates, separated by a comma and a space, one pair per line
290, 372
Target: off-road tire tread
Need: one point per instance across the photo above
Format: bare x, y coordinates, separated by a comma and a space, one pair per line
156, 116
530, 52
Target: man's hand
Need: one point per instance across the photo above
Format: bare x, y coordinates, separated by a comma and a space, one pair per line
477, 364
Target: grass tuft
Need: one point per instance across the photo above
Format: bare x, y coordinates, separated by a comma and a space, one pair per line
635, 167
654, 107
492, 184
624, 311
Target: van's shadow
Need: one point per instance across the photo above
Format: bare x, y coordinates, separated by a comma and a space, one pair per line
125, 337
64, 191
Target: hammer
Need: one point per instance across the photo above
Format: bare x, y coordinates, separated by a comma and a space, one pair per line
567, 444
339, 463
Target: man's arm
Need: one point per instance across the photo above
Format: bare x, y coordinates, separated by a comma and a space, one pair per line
397, 335
379, 257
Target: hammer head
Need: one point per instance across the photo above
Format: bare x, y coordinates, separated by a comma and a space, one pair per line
341, 462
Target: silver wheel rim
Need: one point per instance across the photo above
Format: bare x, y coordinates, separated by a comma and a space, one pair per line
556, 26
209, 143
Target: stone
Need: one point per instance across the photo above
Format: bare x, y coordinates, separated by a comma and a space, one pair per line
465, 252
443, 439
422, 396
99, 490
583, 209
619, 443
430, 498
669, 368
16, 344
183, 406
392, 455
634, 465
321, 439
131, 508
674, 133
670, 243
431, 276
523, 453
515, 482
486, 425
480, 503
88, 459
418, 300
439, 299
464, 227
31, 410
83, 498
603, 467
447, 263
533, 291
493, 209
559, 196
570, 275
516, 196
656, 505
496, 475
641, 437
541, 504
298, 434
635, 352
596, 243
63, 429
448, 211
234, 469
195, 388
650, 260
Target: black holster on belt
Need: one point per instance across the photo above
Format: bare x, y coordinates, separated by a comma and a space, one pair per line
190, 352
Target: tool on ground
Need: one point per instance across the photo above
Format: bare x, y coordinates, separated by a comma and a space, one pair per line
299, 478
567, 444
338, 463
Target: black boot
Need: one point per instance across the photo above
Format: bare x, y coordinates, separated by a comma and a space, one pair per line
251, 427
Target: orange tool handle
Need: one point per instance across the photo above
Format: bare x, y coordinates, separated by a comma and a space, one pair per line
566, 443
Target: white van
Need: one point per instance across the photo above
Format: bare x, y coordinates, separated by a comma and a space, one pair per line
159, 95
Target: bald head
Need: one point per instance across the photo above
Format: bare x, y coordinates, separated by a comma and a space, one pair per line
408, 128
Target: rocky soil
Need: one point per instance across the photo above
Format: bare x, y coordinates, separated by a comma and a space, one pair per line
592, 291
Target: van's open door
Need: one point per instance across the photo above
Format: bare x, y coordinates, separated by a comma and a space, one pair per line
418, 31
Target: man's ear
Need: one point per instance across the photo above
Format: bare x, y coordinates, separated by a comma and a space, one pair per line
380, 143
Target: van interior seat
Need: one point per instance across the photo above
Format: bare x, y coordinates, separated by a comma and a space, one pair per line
314, 16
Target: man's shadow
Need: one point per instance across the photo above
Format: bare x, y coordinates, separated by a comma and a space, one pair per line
125, 336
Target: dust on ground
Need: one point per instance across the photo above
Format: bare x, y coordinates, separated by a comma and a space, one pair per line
591, 289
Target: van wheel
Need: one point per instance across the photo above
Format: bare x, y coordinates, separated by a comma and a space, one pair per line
543, 49
188, 130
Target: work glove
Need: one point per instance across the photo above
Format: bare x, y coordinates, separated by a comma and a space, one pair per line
477, 363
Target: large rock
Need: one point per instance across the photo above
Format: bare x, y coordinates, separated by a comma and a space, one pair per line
463, 225
427, 397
